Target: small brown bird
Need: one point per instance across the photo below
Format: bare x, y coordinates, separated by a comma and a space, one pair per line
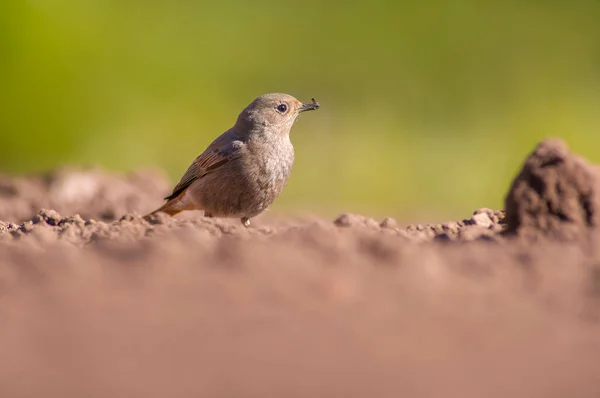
244, 169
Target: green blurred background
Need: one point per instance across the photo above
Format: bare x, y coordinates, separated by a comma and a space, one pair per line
428, 107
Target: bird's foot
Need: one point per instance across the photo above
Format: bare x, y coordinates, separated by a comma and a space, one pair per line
245, 222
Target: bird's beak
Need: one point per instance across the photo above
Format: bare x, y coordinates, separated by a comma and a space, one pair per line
311, 106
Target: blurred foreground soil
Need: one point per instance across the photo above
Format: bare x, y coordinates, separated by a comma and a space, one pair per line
97, 302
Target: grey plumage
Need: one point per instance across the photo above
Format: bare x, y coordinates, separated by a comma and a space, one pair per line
245, 169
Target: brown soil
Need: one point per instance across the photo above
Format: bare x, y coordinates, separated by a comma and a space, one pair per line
105, 304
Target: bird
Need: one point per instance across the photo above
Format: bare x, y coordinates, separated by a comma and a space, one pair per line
243, 171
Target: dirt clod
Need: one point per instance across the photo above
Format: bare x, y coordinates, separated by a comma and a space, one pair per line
482, 219
355, 220
389, 222
556, 195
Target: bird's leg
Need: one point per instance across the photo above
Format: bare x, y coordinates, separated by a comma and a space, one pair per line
207, 214
245, 222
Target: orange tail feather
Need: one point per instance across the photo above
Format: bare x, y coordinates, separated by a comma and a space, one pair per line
168, 208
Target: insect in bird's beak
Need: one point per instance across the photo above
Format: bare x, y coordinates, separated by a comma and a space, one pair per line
311, 106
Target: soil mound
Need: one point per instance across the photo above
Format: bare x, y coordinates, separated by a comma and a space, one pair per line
556, 194
93, 193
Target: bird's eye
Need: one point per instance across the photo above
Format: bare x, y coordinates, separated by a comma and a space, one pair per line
282, 108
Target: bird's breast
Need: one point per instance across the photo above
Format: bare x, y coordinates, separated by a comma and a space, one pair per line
273, 165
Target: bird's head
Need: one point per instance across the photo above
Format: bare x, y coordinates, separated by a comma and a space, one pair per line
273, 112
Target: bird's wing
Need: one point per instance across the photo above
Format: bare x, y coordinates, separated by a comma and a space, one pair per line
220, 152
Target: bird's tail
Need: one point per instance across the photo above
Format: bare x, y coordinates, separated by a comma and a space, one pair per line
171, 208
